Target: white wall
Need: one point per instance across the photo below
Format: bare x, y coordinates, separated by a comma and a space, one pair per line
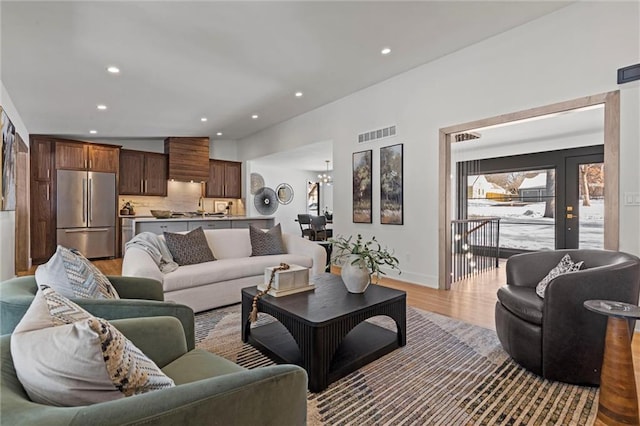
273, 176
223, 149
8, 218
146, 144
218, 148
569, 54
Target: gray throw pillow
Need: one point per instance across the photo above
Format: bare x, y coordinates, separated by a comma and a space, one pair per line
189, 248
72, 275
565, 265
266, 243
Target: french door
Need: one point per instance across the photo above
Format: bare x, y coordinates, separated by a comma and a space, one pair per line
545, 200
584, 208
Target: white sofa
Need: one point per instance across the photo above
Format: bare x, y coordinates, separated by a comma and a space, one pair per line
213, 284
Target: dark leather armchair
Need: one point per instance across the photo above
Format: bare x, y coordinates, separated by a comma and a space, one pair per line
556, 337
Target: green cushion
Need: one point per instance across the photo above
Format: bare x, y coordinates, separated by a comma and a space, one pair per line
199, 364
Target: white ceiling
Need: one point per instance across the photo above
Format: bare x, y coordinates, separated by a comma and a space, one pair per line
566, 124
182, 60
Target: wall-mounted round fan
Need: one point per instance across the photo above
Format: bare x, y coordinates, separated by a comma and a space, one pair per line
265, 200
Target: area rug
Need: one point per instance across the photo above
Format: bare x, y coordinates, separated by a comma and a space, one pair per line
449, 373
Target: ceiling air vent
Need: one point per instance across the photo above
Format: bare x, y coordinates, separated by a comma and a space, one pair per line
373, 135
467, 136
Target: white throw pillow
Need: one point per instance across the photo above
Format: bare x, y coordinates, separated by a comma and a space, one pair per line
72, 275
565, 265
64, 356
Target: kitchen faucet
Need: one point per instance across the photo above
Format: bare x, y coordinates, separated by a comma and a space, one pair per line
201, 204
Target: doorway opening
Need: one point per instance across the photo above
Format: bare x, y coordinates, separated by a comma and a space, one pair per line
610, 105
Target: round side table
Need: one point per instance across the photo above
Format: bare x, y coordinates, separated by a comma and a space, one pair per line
618, 401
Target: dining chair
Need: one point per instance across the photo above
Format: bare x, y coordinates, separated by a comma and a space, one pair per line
304, 220
318, 228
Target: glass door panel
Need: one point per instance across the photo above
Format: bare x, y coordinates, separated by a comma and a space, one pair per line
523, 200
584, 212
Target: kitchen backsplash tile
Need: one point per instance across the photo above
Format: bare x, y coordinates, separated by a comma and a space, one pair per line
181, 197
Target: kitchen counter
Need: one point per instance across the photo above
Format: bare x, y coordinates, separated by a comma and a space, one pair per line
196, 218
139, 224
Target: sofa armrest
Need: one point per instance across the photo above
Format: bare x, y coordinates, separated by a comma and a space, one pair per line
274, 395
137, 263
304, 247
130, 308
160, 338
137, 287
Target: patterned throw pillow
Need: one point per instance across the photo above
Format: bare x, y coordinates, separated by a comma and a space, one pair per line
64, 356
565, 265
72, 275
266, 243
189, 248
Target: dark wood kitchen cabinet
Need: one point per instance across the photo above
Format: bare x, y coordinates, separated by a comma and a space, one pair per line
72, 155
143, 173
225, 179
43, 204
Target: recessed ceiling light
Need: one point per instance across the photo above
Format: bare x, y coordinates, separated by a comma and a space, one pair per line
203, 119
219, 133
93, 132
113, 70
102, 107
254, 116
298, 94
385, 51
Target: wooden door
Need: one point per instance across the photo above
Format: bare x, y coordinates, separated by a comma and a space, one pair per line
71, 156
43, 221
215, 184
103, 158
233, 180
131, 172
155, 174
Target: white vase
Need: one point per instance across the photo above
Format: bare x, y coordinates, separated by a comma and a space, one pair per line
356, 277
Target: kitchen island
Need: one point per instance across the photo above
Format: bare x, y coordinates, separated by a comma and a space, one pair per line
178, 224
133, 225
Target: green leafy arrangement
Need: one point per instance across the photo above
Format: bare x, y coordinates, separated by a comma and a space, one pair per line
371, 252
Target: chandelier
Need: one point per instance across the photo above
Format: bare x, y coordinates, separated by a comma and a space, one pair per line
325, 178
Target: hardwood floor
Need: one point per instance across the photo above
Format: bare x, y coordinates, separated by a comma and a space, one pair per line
471, 300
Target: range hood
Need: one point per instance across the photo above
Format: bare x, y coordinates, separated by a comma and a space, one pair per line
188, 158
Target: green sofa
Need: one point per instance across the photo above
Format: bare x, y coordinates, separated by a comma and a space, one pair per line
210, 390
140, 297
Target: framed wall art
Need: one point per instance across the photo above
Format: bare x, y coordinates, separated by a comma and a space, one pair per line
391, 191
362, 187
220, 206
8, 153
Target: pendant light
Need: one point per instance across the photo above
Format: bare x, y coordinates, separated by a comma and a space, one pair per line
325, 178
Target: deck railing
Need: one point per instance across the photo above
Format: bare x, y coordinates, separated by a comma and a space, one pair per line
475, 245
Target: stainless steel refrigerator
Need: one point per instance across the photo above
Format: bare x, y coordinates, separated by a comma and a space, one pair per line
86, 212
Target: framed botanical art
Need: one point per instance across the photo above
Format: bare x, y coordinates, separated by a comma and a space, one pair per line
362, 187
391, 191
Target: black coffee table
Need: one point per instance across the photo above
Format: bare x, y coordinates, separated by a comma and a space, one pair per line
324, 331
